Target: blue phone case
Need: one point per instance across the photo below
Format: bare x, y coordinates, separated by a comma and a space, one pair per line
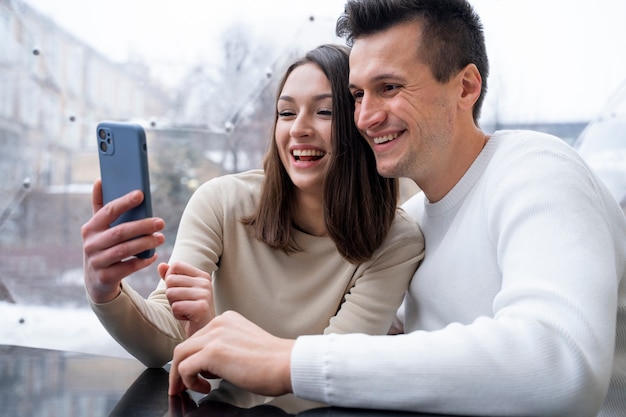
123, 156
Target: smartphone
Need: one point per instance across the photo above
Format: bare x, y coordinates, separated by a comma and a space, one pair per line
123, 156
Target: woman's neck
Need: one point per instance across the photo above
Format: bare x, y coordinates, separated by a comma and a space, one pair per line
310, 214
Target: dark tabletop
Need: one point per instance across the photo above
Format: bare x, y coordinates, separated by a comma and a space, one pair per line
39, 382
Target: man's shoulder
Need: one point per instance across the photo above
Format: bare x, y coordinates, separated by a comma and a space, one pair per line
528, 140
509, 149
414, 206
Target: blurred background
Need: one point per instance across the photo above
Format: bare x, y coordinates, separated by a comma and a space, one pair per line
201, 78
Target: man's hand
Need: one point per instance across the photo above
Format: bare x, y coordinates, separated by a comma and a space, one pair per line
235, 349
190, 293
108, 252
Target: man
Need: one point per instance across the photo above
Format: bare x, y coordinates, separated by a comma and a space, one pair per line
519, 307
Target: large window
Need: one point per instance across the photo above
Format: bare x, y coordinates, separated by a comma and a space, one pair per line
201, 79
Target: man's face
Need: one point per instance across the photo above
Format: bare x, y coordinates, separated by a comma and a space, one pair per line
406, 116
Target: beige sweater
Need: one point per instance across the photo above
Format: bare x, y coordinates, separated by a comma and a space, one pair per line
309, 292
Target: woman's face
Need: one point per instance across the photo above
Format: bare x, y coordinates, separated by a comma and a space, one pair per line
303, 128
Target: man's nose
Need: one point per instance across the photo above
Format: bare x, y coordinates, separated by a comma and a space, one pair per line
368, 113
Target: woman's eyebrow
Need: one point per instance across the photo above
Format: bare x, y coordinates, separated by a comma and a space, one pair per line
316, 97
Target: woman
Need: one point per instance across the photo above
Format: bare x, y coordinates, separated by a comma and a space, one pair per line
313, 243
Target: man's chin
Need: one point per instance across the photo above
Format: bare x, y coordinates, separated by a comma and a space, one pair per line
386, 170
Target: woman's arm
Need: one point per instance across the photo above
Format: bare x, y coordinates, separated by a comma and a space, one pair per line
380, 284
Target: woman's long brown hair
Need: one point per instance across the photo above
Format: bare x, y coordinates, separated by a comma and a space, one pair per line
359, 204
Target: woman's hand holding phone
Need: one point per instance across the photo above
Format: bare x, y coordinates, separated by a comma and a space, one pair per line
123, 156
108, 252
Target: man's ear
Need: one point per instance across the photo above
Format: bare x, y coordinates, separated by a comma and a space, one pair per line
471, 84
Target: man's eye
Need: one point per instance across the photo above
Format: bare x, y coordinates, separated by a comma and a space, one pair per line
357, 95
391, 87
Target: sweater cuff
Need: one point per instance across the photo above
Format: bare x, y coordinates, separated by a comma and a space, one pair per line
113, 306
310, 362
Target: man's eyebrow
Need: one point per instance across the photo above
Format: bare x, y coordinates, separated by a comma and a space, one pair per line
380, 77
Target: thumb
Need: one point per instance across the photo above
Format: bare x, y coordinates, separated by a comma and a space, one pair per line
162, 269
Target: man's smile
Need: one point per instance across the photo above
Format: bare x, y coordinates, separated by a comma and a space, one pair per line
386, 138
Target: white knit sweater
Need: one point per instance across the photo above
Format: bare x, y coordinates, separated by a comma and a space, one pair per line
519, 307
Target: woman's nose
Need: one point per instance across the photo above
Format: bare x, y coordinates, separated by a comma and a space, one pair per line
301, 126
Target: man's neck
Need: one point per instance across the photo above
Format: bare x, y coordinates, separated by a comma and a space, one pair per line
436, 187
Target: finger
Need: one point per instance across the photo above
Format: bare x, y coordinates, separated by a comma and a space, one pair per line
111, 247
194, 382
97, 238
179, 311
196, 311
188, 293
183, 268
191, 304
114, 274
175, 382
106, 214
202, 284
103, 284
189, 370
182, 375
162, 269
208, 375
96, 196
175, 406
180, 404
143, 234
181, 351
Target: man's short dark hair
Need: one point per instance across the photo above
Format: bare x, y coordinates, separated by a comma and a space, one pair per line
452, 35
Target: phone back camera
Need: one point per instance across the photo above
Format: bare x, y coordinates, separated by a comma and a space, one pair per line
105, 141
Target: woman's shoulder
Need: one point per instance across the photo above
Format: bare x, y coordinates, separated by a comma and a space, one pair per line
404, 228
251, 178
404, 240
235, 184
239, 191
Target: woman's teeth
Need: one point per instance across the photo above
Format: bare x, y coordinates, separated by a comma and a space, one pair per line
307, 154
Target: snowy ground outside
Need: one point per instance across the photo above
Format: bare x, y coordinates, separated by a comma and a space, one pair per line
68, 329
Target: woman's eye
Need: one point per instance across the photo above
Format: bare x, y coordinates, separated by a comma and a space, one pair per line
286, 113
325, 112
